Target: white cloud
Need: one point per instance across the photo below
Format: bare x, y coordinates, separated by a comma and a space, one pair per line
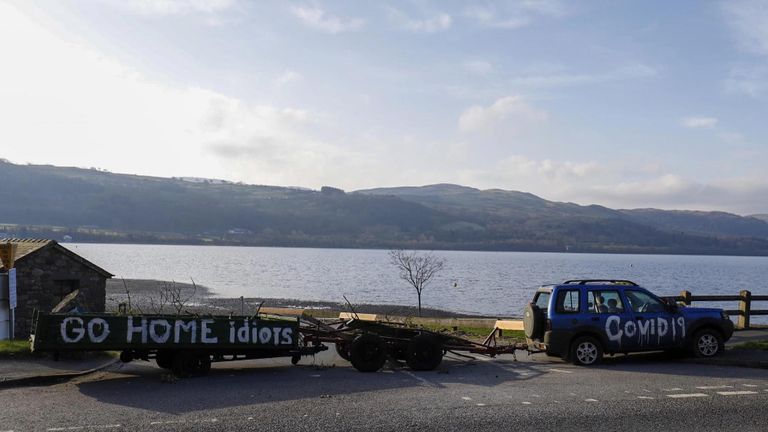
478, 67
751, 80
436, 23
554, 8
175, 7
749, 20
489, 17
513, 110
317, 18
287, 77
513, 15
65, 104
699, 122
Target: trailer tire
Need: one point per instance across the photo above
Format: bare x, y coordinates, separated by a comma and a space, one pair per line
204, 364
425, 352
164, 359
126, 356
184, 364
368, 353
342, 349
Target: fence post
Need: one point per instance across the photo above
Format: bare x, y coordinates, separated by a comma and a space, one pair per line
686, 295
745, 308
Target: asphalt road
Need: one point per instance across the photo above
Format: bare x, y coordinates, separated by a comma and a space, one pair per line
643, 393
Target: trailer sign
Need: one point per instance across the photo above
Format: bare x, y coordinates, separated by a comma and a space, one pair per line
157, 332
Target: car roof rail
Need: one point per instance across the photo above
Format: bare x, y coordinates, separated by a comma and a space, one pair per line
591, 281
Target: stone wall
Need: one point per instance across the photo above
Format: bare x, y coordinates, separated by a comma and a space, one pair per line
36, 278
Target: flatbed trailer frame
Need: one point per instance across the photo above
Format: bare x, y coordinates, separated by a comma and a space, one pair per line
368, 344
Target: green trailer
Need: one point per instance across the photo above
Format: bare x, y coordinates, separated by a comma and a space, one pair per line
185, 344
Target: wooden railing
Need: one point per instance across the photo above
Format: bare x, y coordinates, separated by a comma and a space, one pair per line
745, 299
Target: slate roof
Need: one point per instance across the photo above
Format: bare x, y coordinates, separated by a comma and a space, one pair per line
26, 247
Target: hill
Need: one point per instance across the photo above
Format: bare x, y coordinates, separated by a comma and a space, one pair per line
93, 205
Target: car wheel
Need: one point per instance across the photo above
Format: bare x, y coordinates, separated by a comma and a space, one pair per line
586, 351
707, 343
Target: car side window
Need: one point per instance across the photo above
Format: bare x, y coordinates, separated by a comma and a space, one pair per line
605, 301
542, 300
643, 302
568, 301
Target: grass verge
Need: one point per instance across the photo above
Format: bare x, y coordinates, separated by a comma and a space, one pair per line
14, 349
753, 345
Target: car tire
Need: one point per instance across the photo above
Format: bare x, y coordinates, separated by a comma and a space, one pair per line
707, 343
425, 352
368, 353
586, 351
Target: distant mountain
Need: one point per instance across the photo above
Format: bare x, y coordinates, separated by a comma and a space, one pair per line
92, 205
762, 217
704, 223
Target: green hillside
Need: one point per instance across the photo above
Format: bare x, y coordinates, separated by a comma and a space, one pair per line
92, 205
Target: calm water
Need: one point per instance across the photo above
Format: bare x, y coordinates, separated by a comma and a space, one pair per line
494, 283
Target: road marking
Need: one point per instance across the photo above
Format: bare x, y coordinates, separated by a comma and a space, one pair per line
315, 376
526, 403
420, 379
672, 389
687, 395
645, 397
714, 387
737, 392
560, 370
480, 404
590, 400
466, 398
749, 385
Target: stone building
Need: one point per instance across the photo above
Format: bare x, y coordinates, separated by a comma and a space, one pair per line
46, 272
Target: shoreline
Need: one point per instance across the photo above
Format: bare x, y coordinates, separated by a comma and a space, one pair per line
145, 296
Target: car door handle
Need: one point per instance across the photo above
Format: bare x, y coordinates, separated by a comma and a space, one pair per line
595, 318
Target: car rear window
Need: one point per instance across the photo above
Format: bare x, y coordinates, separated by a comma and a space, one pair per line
542, 300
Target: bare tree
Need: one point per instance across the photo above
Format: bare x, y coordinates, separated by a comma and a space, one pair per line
416, 268
172, 294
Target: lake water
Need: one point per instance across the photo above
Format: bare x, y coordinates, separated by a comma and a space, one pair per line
488, 283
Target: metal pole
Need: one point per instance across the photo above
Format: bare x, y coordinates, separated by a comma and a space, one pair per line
13, 322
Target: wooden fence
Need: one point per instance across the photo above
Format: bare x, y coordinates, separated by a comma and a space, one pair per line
745, 299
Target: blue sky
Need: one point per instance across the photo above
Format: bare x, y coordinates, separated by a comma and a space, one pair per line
625, 104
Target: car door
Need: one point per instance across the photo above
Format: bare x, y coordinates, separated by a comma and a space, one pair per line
658, 327
612, 319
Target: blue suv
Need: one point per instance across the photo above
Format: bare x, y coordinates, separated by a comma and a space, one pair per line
580, 320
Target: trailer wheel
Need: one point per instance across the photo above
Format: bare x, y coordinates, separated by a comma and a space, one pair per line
425, 352
184, 364
368, 353
204, 364
164, 359
342, 348
126, 356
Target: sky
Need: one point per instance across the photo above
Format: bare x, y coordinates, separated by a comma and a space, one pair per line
627, 104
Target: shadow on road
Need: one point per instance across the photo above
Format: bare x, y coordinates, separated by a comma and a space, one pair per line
254, 382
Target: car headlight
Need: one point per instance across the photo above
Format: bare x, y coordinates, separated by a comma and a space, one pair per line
724, 315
